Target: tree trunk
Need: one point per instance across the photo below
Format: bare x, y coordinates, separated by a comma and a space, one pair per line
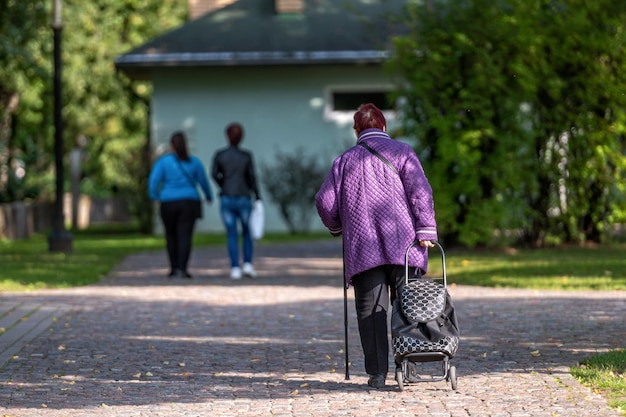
8, 102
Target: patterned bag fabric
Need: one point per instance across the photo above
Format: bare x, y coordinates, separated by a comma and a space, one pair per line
424, 320
423, 300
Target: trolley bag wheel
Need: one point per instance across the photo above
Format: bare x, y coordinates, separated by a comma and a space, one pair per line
400, 378
452, 377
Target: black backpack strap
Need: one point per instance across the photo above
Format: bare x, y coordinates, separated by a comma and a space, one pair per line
382, 158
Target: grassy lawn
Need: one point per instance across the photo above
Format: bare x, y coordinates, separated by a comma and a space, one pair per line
606, 375
562, 268
27, 265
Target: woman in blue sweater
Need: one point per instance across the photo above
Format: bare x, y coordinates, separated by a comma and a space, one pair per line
172, 182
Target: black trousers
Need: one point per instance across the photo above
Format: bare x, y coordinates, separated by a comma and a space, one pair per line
179, 219
374, 291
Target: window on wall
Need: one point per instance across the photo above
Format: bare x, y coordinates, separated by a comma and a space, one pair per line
343, 100
351, 100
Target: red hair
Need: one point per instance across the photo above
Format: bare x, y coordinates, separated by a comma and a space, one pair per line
368, 116
234, 132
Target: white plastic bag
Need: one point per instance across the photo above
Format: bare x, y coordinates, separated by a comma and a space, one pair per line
257, 220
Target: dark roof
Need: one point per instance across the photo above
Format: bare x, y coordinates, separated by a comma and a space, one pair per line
250, 32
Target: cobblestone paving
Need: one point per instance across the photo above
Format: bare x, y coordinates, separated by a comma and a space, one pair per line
140, 344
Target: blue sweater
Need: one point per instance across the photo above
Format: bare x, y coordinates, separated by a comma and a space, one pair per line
167, 182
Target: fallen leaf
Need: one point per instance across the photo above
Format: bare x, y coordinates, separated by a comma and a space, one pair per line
304, 385
294, 392
138, 375
535, 353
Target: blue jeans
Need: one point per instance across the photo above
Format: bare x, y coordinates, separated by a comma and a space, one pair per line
234, 210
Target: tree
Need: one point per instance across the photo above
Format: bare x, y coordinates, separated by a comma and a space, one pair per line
292, 182
23, 73
505, 116
109, 109
577, 106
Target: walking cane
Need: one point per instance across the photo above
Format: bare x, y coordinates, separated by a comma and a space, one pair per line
345, 317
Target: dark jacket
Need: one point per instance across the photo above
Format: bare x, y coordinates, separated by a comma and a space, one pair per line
233, 170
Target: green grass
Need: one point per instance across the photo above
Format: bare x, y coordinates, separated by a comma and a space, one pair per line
562, 268
27, 265
606, 375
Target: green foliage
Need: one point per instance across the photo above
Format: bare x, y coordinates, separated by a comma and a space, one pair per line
23, 69
108, 109
292, 182
517, 108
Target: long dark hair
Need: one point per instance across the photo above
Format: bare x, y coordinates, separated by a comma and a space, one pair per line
179, 144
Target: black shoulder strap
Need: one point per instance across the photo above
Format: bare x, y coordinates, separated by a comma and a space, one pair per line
185, 173
382, 158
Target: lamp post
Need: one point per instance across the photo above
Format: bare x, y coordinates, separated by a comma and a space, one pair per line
60, 240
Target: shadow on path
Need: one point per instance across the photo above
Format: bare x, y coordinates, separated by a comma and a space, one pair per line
138, 338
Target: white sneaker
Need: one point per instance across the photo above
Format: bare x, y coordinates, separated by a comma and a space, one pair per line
235, 272
248, 270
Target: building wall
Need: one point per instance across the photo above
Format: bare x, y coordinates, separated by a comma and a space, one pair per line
280, 108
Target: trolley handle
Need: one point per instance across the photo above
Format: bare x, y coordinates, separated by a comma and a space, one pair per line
443, 260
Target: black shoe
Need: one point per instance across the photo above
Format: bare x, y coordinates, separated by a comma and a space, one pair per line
377, 381
173, 273
185, 274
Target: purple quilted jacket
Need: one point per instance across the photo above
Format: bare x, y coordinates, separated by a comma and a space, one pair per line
378, 211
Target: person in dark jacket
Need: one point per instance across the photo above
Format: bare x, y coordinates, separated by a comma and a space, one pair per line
173, 182
233, 170
379, 208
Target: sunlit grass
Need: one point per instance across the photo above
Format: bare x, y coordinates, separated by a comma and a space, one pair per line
563, 268
28, 265
606, 375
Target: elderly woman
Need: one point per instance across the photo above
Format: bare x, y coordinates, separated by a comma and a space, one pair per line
377, 197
